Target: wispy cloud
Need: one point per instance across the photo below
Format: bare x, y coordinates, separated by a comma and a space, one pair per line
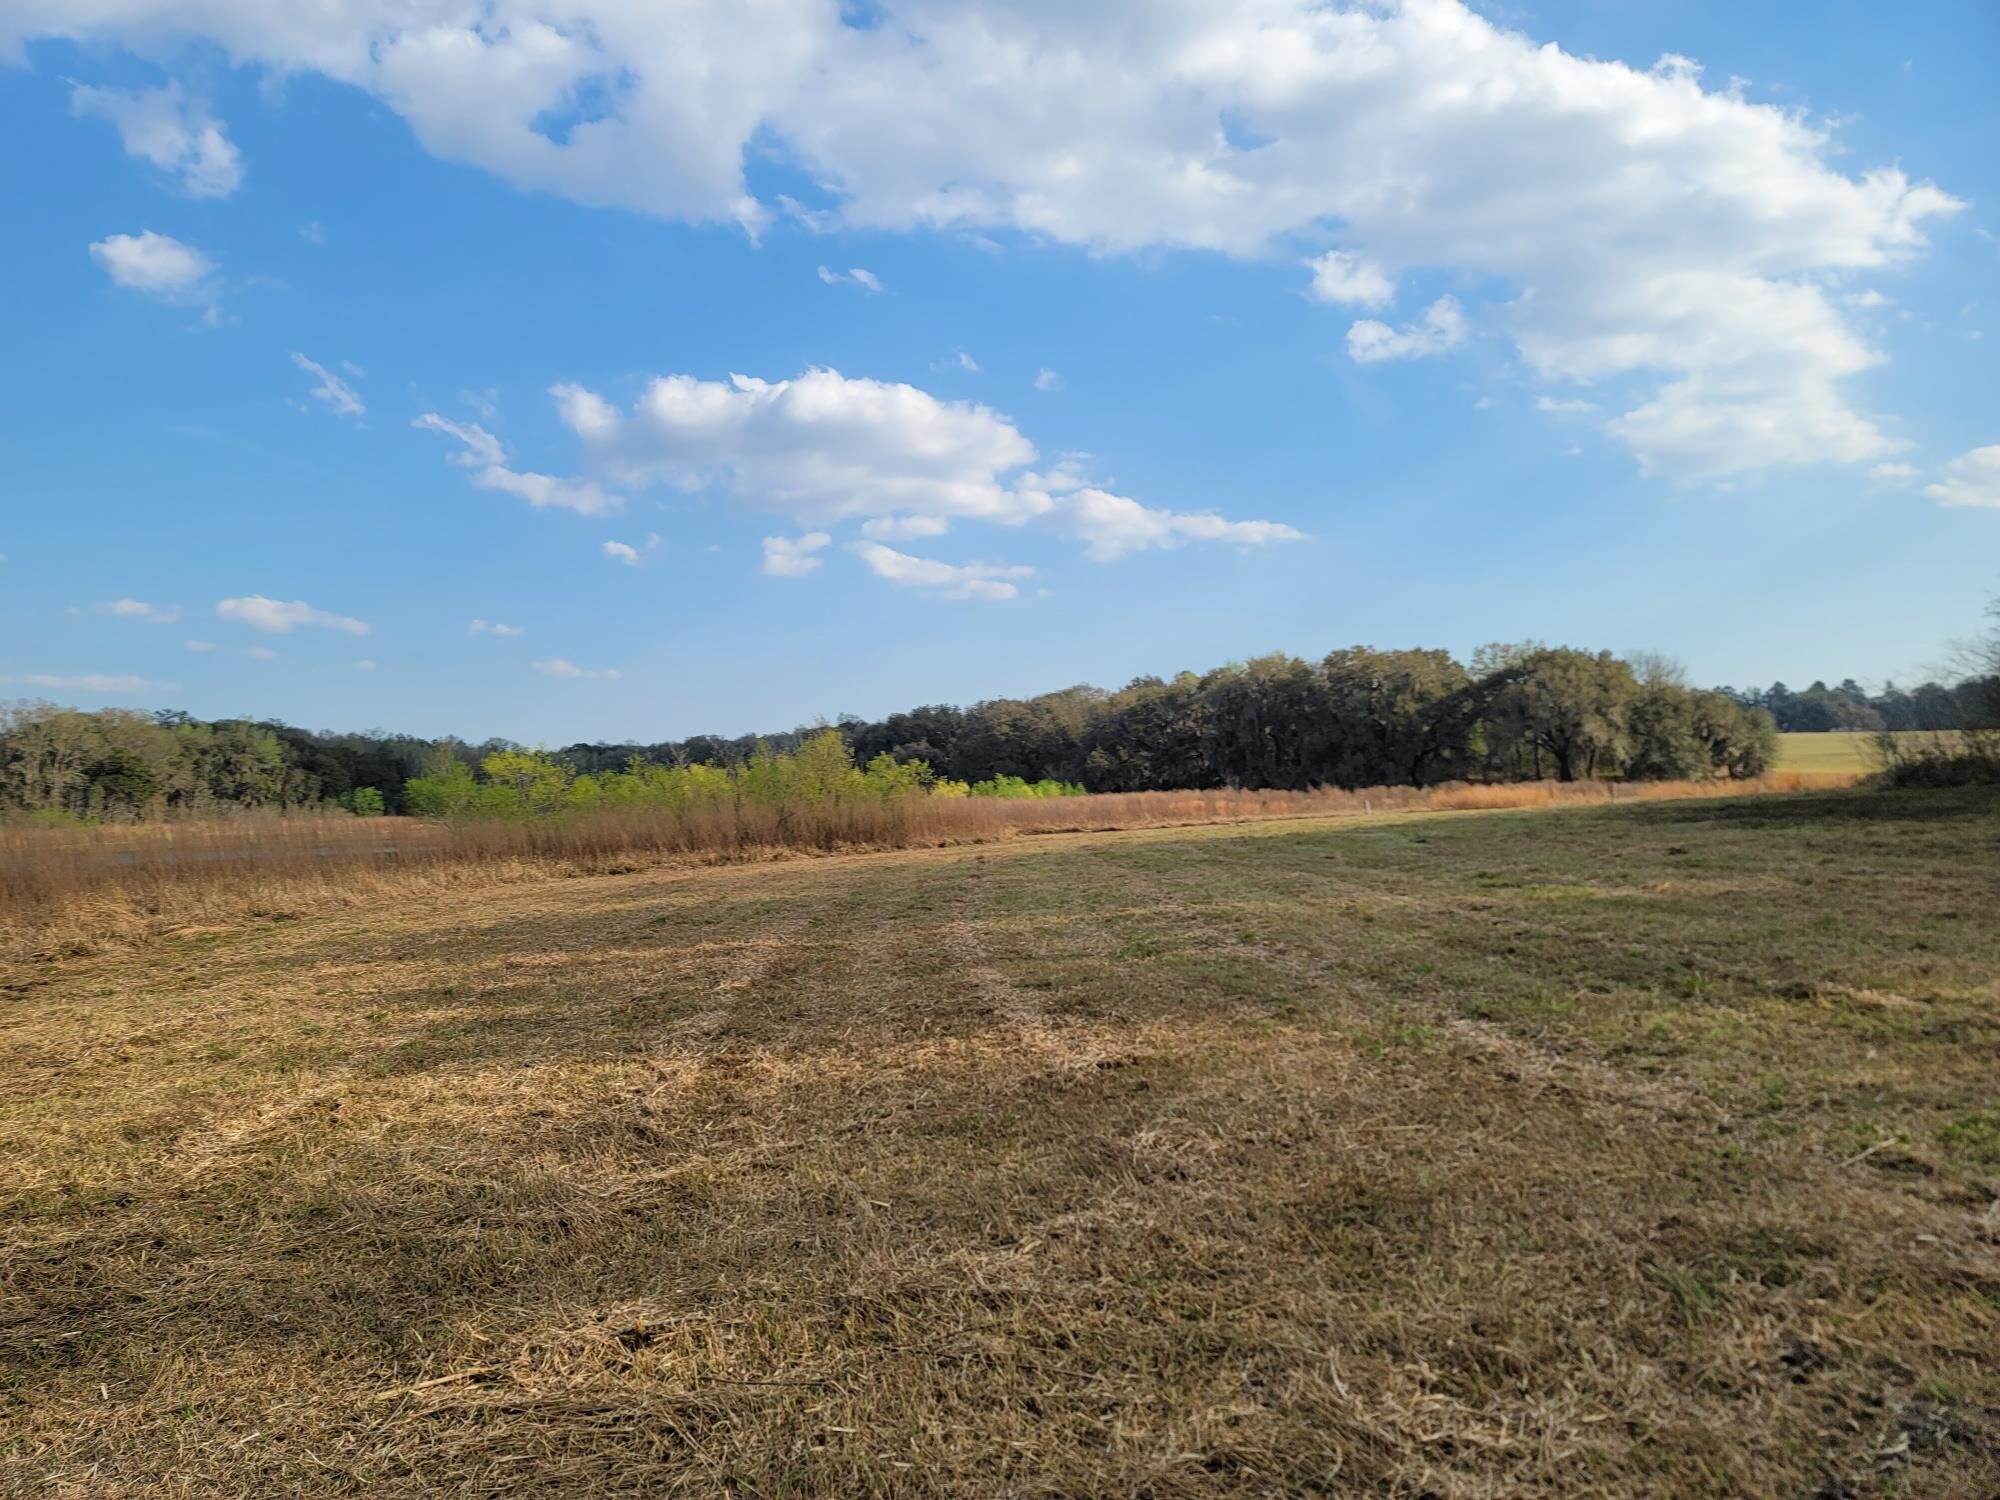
280, 617
331, 389
556, 666
792, 556
139, 609
867, 280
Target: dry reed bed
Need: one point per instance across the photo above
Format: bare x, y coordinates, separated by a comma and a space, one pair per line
74, 891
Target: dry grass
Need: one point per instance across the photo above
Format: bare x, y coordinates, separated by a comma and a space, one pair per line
1633, 1151
71, 892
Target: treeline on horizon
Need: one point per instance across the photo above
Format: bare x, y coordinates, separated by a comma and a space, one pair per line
1358, 717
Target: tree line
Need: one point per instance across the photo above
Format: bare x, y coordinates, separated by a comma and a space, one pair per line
1356, 717
1849, 706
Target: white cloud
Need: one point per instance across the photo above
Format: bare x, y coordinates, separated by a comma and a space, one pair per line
1047, 380
199, 645
173, 134
555, 666
331, 389
139, 609
792, 556
281, 618
1973, 479
965, 362
1340, 277
157, 264
484, 454
819, 447
1113, 525
478, 448
112, 684
823, 449
900, 528
1442, 327
1869, 298
867, 280
313, 233
619, 552
483, 627
1563, 408
260, 653
364, 665
1893, 473
550, 491
1433, 137
976, 580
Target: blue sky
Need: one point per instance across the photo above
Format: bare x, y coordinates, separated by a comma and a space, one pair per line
1186, 333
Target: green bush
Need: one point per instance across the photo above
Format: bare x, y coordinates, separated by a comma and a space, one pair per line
1014, 786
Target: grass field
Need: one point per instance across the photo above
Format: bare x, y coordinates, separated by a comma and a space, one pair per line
1827, 752
1857, 754
1642, 1150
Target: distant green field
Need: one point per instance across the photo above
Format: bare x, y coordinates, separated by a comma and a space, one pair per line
1826, 752
1833, 752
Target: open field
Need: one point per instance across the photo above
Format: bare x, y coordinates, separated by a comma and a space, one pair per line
1828, 752
68, 891
1646, 1150
1853, 753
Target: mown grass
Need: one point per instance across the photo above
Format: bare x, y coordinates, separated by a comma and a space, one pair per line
1596, 1151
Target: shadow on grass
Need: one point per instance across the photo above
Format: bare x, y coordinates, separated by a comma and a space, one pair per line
1797, 809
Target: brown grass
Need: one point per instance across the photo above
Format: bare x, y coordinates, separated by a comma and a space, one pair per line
74, 891
1605, 1152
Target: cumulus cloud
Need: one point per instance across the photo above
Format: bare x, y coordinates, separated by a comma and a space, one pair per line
867, 280
1340, 277
975, 580
820, 447
823, 448
556, 666
279, 617
620, 552
157, 264
139, 609
1432, 136
1442, 327
331, 389
485, 455
111, 684
1973, 479
165, 128
792, 556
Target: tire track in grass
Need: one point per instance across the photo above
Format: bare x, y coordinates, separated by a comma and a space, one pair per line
1515, 1059
1063, 1047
